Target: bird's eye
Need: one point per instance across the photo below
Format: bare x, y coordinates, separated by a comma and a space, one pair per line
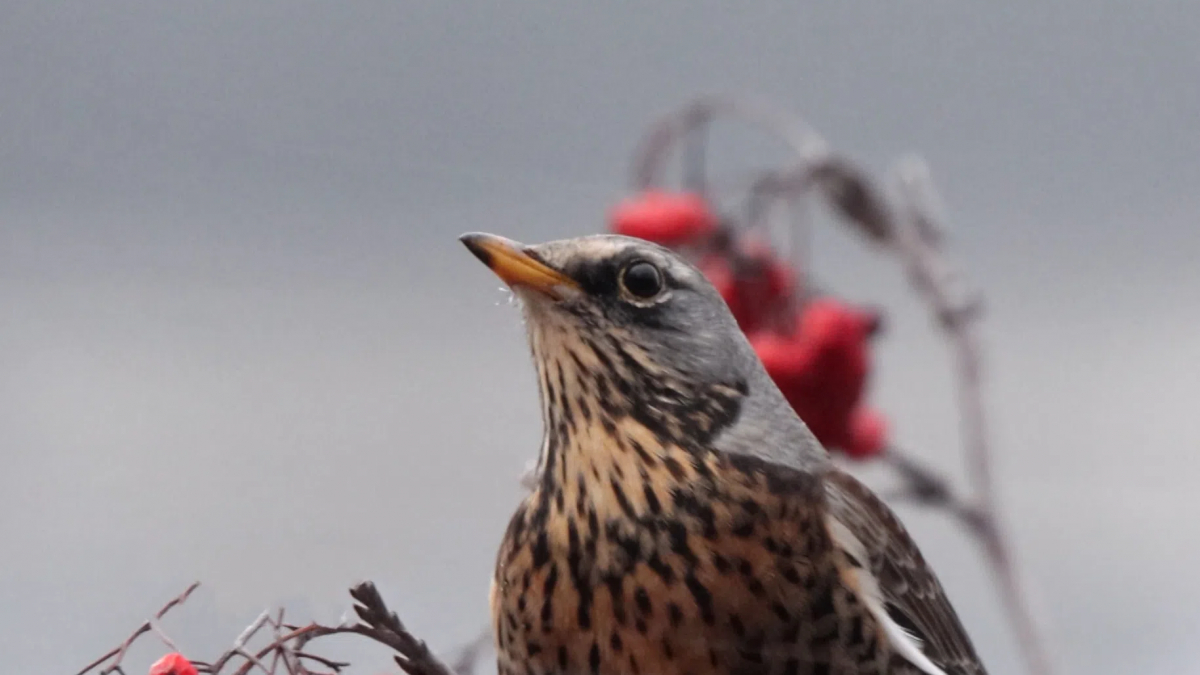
642, 280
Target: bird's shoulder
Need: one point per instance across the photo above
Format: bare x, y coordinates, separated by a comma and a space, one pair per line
878, 561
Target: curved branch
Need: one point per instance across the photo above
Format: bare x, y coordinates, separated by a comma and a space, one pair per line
913, 234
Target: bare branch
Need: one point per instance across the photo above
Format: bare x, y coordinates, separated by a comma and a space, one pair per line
118, 654
470, 653
287, 644
958, 314
913, 232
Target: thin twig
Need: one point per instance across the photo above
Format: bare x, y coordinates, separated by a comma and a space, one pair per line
958, 315
118, 653
377, 622
913, 233
469, 655
335, 665
239, 645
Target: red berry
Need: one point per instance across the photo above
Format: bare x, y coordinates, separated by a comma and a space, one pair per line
775, 278
173, 664
666, 218
868, 434
839, 338
787, 358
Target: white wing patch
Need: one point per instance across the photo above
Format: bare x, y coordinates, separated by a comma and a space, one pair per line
903, 642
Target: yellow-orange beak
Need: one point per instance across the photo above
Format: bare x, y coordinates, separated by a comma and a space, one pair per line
512, 264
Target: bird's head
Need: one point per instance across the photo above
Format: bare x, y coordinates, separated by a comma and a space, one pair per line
622, 329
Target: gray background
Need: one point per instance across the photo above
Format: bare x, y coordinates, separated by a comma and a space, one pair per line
240, 343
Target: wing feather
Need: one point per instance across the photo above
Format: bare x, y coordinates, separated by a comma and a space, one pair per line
898, 582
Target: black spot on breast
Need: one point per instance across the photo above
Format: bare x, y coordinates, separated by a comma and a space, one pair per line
564, 409
822, 603
614, 641
604, 392
652, 502
744, 567
584, 615
756, 588
579, 576
686, 501
703, 598
548, 597
674, 467
642, 599
721, 563
538, 520
663, 570
629, 545
562, 657
743, 529
679, 541
781, 612
700, 466
611, 429
594, 658
541, 550
642, 454
790, 573
675, 614
616, 592
579, 365
622, 500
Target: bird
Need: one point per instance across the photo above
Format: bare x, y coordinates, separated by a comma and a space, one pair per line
683, 520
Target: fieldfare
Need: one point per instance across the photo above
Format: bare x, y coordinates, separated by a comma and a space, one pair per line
684, 520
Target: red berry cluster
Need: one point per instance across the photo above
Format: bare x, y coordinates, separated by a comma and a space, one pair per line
173, 664
817, 351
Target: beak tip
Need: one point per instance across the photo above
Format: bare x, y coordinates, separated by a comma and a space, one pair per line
474, 241
514, 264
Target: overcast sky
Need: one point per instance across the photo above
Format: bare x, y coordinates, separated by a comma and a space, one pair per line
240, 342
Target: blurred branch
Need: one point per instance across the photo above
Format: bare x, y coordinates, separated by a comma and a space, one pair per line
912, 231
286, 647
920, 243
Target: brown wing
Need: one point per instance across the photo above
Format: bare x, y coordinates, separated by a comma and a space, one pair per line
910, 591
